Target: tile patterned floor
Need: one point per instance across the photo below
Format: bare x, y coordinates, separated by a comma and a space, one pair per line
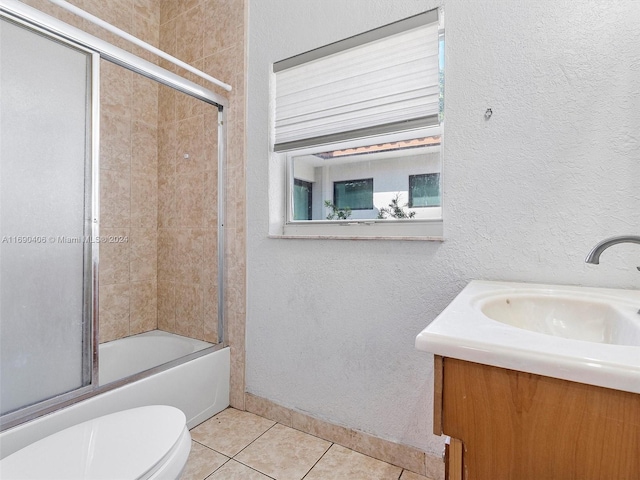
236, 445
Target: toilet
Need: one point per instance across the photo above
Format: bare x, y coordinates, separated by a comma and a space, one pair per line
145, 443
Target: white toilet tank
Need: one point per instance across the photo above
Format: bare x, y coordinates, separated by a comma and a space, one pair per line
147, 443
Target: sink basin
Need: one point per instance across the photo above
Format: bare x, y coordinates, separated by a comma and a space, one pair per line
564, 316
582, 334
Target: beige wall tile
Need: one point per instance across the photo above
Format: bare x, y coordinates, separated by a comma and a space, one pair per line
186, 200
334, 433
188, 256
115, 141
172, 8
167, 148
143, 307
144, 106
190, 141
116, 88
114, 257
167, 306
190, 200
167, 245
146, 21
265, 408
166, 201
224, 64
189, 310
168, 9
190, 34
144, 200
115, 12
408, 457
114, 311
144, 148
167, 98
143, 251
115, 194
237, 351
222, 19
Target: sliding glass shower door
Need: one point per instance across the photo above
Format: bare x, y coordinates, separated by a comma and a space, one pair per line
45, 218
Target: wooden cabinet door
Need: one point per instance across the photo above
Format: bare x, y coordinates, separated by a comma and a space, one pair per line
521, 426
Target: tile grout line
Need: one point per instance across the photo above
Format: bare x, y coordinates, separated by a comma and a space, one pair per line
228, 459
223, 464
252, 441
318, 461
252, 468
213, 450
259, 436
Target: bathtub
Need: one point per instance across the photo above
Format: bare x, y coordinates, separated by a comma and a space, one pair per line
199, 387
128, 356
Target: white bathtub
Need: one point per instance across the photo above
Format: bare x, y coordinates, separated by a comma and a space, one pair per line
130, 355
199, 387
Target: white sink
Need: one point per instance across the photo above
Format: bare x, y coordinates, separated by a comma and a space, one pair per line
587, 335
566, 316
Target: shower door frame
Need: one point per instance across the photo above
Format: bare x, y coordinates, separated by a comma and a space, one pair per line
50, 27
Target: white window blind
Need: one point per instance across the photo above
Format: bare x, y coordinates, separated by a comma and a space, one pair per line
346, 91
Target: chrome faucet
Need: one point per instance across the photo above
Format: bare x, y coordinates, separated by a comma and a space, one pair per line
594, 254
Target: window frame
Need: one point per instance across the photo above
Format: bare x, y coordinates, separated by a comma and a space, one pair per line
405, 229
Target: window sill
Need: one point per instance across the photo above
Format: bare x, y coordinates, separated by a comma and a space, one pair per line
360, 230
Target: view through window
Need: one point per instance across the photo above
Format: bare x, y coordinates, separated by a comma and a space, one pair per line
394, 180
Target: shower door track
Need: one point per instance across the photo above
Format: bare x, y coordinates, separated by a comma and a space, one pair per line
20, 13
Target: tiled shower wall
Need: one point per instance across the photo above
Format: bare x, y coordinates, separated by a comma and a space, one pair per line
165, 274
128, 203
210, 35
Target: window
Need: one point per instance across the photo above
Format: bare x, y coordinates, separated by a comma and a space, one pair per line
353, 194
353, 121
424, 190
302, 199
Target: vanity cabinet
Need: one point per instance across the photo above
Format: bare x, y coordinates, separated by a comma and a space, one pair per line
510, 425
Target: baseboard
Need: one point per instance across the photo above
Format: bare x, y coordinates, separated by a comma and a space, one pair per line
405, 456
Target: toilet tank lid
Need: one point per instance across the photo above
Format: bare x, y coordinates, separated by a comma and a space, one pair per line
125, 444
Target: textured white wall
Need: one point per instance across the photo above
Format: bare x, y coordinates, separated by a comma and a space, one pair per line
331, 324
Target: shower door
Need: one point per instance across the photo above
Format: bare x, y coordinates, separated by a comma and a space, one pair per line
45, 220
